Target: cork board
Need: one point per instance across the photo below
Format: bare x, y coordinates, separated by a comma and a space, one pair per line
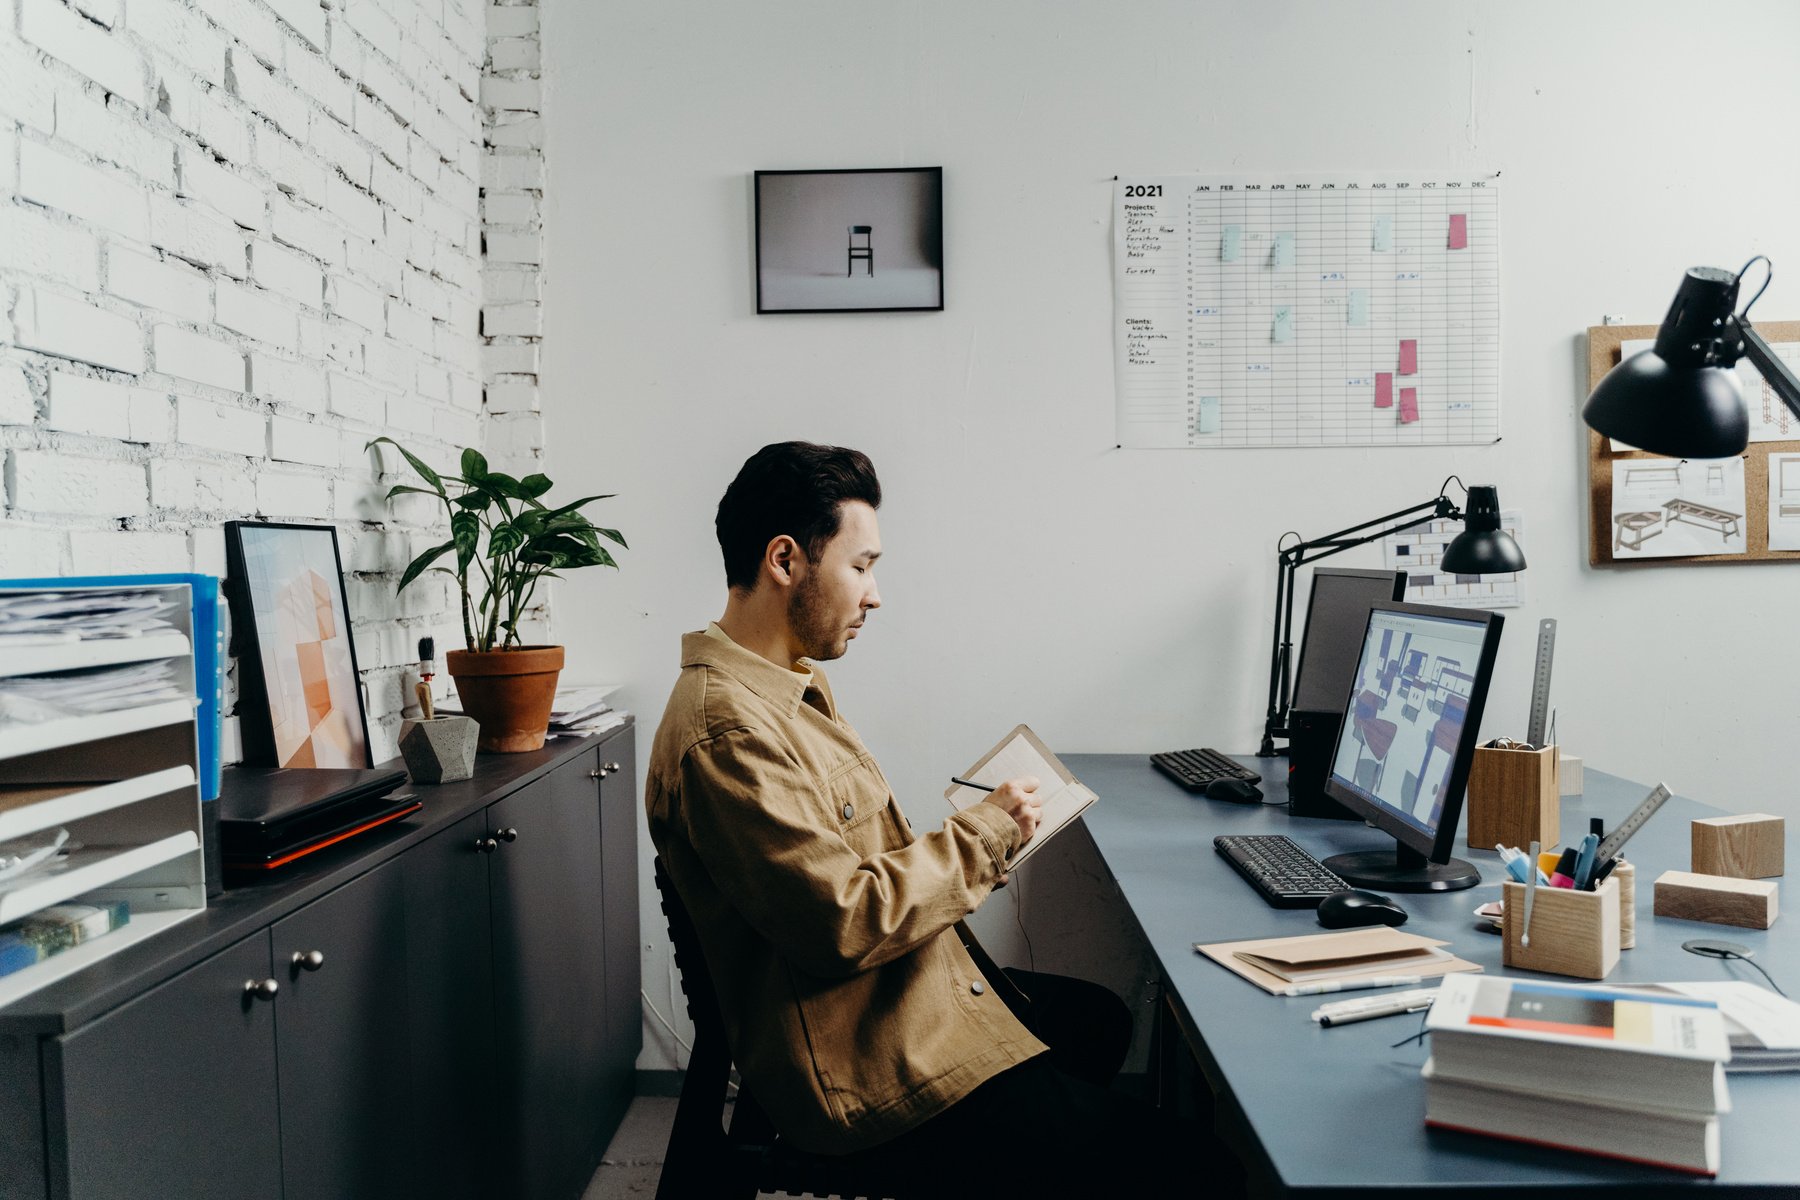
1604, 342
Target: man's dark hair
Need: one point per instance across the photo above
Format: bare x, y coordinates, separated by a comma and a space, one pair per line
793, 488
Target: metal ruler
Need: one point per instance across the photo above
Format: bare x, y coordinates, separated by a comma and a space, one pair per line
1540, 682
1643, 812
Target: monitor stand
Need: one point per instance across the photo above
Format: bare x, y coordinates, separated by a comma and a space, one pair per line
1405, 870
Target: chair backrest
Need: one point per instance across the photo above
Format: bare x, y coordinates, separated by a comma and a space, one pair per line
690, 960
856, 229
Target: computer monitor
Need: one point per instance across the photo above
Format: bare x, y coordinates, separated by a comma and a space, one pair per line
1336, 615
1407, 739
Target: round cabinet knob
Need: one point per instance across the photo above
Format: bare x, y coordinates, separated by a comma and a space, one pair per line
310, 960
486, 845
596, 773
509, 834
613, 768
261, 989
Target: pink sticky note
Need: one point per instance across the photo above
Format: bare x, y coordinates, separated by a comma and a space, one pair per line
1409, 405
1384, 389
1459, 231
1409, 357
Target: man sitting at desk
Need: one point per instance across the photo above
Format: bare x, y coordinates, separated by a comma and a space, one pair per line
856, 1014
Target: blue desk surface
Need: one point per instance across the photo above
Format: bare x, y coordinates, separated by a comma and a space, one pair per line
1336, 1111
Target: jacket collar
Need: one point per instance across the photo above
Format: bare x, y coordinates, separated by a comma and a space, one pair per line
714, 648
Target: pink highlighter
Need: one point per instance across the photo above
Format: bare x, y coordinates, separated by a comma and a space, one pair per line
1564, 875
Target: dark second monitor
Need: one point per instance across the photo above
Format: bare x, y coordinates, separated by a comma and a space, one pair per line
1403, 750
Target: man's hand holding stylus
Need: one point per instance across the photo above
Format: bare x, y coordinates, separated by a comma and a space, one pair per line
1018, 799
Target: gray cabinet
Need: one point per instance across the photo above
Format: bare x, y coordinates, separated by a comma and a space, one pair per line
453, 1013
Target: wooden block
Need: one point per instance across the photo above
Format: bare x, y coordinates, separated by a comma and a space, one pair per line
1746, 903
1572, 933
1749, 846
1513, 798
1568, 771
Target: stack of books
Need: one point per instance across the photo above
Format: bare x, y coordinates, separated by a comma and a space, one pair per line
1619, 1073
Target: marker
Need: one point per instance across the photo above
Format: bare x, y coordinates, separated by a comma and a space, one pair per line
1350, 985
1530, 891
1606, 868
1584, 862
1350, 1011
980, 787
1564, 875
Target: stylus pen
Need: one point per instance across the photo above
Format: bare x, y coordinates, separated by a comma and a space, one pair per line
1388, 1007
1530, 891
980, 787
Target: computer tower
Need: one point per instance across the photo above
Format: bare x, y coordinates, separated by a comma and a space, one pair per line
1311, 737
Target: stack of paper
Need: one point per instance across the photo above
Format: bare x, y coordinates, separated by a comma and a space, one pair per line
47, 618
32, 698
1763, 1028
1276, 964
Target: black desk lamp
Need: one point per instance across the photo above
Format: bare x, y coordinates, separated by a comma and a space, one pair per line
1682, 398
1481, 549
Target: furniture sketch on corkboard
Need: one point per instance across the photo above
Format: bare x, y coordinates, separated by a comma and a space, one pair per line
1615, 535
1788, 482
1635, 528
1705, 516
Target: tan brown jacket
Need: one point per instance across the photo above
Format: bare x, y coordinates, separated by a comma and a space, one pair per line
853, 1010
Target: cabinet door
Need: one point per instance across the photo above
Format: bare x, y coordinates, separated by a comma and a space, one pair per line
549, 984
620, 806
449, 965
174, 1091
342, 1047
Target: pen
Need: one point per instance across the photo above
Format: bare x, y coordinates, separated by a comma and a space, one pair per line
1584, 860
1349, 985
1530, 892
1386, 1006
980, 787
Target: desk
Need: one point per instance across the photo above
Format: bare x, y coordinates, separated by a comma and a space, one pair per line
1335, 1112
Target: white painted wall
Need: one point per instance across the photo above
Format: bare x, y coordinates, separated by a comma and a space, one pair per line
1119, 600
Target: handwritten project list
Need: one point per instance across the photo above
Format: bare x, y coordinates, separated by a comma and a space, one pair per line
1279, 311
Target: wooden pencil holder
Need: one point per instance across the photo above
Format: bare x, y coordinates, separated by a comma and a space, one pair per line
1514, 798
1572, 933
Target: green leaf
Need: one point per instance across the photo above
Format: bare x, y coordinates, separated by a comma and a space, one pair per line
474, 499
465, 534
569, 508
430, 476
400, 489
474, 466
420, 563
505, 485
535, 485
504, 538
611, 535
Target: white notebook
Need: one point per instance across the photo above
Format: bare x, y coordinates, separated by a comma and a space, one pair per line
1020, 753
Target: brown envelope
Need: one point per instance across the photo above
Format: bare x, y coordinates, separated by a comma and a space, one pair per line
1347, 954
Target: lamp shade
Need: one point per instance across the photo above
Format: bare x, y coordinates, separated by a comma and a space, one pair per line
1683, 412
1681, 398
1483, 548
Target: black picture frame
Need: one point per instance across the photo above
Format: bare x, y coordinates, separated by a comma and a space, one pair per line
898, 212
268, 729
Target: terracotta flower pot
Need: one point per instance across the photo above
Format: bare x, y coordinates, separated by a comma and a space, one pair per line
508, 692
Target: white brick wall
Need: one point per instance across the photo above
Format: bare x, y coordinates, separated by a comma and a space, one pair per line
240, 238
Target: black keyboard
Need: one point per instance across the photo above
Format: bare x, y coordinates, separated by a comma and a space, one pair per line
1194, 769
1286, 875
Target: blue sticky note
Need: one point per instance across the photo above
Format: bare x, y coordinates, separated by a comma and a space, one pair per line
1384, 234
1359, 307
1284, 325
1231, 243
1208, 418
1284, 250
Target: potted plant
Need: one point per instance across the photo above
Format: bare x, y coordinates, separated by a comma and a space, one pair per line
503, 533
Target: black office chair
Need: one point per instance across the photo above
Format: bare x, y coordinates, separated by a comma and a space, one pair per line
704, 1158
864, 251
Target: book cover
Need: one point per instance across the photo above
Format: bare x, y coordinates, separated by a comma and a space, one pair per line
1526, 1011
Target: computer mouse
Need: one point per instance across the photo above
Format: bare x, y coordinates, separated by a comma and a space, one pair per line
1237, 791
1343, 910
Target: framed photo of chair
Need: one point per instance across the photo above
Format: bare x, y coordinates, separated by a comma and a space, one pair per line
857, 240
299, 695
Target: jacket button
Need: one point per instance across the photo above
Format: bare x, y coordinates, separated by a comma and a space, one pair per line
977, 988
849, 811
